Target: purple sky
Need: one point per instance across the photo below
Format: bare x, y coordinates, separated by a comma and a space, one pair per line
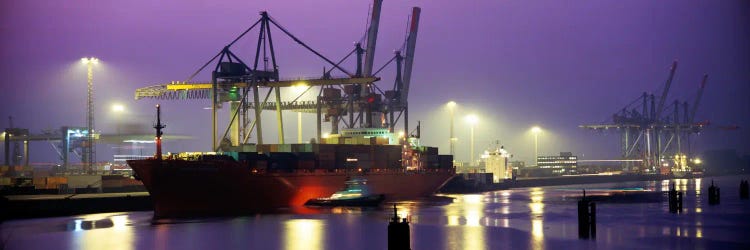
556, 64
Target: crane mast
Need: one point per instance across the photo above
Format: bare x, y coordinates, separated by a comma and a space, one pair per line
664, 94
698, 99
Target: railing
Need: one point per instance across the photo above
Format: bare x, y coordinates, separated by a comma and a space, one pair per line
375, 171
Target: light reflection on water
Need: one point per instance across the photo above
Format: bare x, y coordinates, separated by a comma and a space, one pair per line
96, 231
467, 212
537, 221
529, 218
304, 234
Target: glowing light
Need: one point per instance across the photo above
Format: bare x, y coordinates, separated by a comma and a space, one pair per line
138, 141
403, 212
453, 220
537, 224
505, 210
92, 60
473, 217
467, 210
326, 135
304, 234
697, 161
299, 87
473, 198
118, 108
536, 130
537, 233
472, 119
119, 223
451, 104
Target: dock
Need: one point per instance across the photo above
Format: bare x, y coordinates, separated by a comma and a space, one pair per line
50, 205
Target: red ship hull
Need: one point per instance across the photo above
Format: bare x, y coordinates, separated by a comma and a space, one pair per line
181, 188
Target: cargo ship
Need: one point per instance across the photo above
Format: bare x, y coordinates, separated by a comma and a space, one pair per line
265, 178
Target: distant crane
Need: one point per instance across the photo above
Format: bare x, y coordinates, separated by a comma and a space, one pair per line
661, 137
14, 160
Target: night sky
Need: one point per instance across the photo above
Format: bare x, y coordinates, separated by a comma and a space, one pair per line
516, 64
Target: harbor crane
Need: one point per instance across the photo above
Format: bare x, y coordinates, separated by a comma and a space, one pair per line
653, 137
240, 84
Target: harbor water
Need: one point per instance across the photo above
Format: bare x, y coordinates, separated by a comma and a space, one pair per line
628, 215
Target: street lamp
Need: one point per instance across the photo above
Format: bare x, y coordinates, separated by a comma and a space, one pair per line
118, 110
472, 119
452, 108
89, 150
536, 130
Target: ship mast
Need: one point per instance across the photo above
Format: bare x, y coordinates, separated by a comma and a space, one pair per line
158, 128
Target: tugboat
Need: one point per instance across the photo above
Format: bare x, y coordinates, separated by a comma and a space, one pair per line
355, 194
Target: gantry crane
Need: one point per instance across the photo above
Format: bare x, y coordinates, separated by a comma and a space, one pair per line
240, 84
651, 136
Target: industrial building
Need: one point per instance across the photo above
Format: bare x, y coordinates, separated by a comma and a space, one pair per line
563, 164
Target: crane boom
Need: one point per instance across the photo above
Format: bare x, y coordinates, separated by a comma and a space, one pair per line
411, 43
372, 37
666, 90
698, 98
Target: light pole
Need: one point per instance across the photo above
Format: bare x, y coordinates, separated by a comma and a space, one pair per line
299, 90
118, 110
451, 109
89, 153
472, 119
536, 130
299, 127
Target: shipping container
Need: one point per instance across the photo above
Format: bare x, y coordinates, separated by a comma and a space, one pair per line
247, 156
41, 173
282, 161
82, 181
111, 183
265, 148
306, 164
326, 164
445, 161
284, 148
365, 164
248, 148
5, 181
382, 140
327, 156
349, 140
57, 180
40, 181
305, 155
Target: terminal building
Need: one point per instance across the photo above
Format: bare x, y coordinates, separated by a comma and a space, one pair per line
564, 164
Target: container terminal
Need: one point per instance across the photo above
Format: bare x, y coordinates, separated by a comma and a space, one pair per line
655, 144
